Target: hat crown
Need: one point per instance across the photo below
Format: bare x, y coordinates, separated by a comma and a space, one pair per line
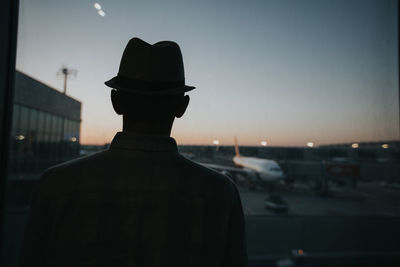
161, 62
151, 69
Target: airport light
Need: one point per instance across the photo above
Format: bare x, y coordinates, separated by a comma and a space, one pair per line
20, 137
97, 6
264, 143
355, 145
385, 146
310, 144
216, 143
99, 9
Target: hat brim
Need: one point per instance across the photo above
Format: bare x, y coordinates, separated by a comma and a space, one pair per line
114, 83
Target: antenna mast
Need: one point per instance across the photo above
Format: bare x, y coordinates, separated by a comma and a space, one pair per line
66, 73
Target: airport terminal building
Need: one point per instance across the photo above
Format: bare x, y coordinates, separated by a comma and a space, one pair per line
45, 128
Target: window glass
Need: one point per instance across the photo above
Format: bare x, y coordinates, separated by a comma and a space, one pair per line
46, 145
70, 130
297, 102
66, 129
48, 125
53, 124
33, 122
58, 126
24, 119
41, 122
15, 126
76, 130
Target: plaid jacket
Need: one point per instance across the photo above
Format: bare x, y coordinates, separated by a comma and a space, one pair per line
140, 203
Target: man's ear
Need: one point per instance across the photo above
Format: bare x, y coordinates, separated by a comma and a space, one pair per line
116, 101
182, 107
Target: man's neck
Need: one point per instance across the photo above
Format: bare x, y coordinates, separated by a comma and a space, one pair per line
162, 128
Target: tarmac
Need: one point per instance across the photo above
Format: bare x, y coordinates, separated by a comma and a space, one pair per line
368, 199
340, 226
344, 227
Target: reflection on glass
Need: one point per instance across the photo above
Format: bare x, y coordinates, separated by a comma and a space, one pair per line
310, 90
47, 128
33, 120
41, 121
24, 119
15, 120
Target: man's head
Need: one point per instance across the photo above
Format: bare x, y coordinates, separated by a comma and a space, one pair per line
153, 109
151, 69
150, 84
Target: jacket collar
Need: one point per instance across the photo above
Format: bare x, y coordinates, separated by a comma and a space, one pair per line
143, 142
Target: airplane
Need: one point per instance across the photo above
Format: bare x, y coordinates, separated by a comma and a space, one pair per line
257, 171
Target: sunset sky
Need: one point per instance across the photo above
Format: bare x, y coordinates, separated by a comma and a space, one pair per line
286, 72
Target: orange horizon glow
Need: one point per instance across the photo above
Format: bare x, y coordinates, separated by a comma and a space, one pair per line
208, 140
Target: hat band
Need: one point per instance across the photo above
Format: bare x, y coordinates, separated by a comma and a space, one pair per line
154, 86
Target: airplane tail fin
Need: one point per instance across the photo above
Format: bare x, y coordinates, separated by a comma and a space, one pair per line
236, 148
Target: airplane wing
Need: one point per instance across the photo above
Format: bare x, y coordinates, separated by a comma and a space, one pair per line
232, 170
243, 176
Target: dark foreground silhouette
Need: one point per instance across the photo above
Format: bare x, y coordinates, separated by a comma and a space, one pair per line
140, 203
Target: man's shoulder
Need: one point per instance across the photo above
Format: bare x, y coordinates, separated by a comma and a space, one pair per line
206, 173
78, 163
90, 169
65, 173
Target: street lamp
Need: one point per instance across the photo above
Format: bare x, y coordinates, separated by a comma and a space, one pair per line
216, 143
264, 143
99, 9
97, 6
20, 137
66, 73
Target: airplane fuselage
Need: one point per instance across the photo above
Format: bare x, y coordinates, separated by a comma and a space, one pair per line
267, 170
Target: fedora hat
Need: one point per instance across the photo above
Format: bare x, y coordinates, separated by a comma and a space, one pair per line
151, 69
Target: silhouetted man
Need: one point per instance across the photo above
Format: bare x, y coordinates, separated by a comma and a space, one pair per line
140, 203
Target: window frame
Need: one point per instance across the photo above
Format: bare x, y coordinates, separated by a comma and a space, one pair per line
8, 31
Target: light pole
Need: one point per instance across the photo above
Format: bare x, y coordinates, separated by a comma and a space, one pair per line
66, 73
264, 143
310, 144
216, 143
